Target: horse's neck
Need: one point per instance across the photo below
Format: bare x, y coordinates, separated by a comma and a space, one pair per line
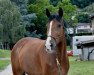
61, 51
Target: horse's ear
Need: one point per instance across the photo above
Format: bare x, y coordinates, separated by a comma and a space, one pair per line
60, 12
48, 13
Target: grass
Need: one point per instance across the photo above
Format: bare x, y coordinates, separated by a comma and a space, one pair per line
81, 67
4, 53
3, 64
68, 48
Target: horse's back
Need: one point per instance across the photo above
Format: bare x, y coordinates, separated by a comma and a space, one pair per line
26, 41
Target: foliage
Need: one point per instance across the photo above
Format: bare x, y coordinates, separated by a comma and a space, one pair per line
82, 3
31, 1
54, 2
9, 18
83, 18
17, 31
69, 10
26, 18
39, 7
89, 9
22, 4
1, 32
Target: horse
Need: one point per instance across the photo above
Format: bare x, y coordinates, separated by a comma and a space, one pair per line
33, 56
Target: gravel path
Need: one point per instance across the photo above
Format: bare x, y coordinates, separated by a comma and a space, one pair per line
4, 58
7, 71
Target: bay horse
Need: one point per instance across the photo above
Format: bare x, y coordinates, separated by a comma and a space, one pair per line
33, 56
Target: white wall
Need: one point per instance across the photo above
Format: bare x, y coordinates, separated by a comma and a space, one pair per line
85, 53
80, 38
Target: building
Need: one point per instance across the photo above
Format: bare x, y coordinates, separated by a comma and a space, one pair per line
78, 39
83, 46
83, 28
70, 30
80, 28
87, 49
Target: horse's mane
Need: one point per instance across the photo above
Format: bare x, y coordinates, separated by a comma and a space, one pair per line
54, 17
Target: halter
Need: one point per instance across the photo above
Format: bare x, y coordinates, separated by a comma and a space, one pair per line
52, 37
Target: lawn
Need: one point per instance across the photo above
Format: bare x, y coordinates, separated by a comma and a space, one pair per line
4, 53
81, 67
68, 48
3, 64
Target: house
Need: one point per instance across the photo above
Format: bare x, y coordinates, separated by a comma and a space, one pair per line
79, 39
87, 49
83, 28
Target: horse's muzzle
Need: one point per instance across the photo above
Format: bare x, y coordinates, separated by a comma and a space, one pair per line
50, 44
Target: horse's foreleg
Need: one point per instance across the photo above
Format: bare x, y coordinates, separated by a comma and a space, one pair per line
17, 71
16, 67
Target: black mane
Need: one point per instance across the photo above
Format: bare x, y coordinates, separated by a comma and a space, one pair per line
54, 17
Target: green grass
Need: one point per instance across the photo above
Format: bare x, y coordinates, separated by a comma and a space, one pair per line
68, 48
81, 67
4, 53
3, 64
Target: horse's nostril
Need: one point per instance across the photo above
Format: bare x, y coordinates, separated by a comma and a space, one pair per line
51, 45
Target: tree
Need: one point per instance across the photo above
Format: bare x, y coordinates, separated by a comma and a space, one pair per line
69, 10
83, 18
39, 7
31, 1
89, 9
54, 2
26, 18
1, 32
82, 3
9, 18
18, 32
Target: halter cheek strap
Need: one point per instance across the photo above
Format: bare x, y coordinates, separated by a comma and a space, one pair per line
52, 37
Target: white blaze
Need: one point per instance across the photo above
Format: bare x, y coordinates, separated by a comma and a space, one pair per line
49, 38
49, 33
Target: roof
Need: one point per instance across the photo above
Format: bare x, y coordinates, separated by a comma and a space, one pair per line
88, 43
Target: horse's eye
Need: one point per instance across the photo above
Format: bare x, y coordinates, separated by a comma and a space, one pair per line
59, 26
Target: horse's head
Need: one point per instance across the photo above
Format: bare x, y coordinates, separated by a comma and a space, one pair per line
54, 30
